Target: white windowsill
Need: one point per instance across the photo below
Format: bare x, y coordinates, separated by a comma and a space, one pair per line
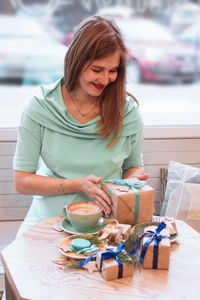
168, 111
150, 132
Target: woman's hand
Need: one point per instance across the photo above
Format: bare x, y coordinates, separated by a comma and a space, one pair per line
142, 177
136, 172
89, 186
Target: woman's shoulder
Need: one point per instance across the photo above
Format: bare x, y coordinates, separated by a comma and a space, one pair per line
132, 118
43, 102
131, 103
43, 94
131, 100
46, 89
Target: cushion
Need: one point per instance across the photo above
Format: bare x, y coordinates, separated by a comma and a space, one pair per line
182, 194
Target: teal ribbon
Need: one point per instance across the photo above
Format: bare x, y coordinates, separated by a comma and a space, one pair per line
135, 186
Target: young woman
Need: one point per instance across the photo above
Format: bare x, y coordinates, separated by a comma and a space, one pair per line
82, 129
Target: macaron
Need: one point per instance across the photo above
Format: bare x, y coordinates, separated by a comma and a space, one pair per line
79, 243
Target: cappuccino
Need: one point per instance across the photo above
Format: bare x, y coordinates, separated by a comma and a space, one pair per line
83, 216
83, 208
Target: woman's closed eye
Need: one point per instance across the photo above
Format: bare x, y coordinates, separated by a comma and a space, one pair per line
113, 71
96, 71
99, 70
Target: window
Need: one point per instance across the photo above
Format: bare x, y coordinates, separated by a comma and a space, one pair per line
163, 70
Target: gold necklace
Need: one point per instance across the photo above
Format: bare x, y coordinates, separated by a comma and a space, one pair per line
77, 108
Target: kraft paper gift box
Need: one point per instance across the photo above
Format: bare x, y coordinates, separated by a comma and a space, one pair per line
125, 230
110, 268
124, 202
115, 232
163, 250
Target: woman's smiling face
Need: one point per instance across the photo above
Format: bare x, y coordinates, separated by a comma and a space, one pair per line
101, 72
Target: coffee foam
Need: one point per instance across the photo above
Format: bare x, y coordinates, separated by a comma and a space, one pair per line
84, 209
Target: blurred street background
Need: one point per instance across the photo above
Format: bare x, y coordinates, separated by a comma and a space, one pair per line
162, 38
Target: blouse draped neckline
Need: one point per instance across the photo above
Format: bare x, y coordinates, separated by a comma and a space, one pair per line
48, 109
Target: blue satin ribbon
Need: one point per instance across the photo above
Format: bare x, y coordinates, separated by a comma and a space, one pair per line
152, 236
139, 184
113, 254
106, 255
83, 263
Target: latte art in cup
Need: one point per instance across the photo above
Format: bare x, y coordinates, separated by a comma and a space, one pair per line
83, 216
84, 209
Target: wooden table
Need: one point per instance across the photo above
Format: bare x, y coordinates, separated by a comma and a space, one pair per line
31, 274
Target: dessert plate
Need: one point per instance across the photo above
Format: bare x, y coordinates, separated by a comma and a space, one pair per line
65, 244
67, 227
64, 248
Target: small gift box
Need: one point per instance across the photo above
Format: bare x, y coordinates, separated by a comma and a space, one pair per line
132, 200
115, 232
169, 221
155, 250
110, 265
122, 229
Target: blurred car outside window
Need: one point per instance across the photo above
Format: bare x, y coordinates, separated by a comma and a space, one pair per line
184, 15
27, 52
117, 12
155, 54
191, 35
160, 63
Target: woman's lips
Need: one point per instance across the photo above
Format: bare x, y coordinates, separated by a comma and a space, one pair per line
98, 86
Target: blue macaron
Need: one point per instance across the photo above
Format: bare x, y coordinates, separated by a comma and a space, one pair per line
79, 243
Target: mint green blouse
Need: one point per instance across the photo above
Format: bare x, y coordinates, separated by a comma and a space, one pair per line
52, 143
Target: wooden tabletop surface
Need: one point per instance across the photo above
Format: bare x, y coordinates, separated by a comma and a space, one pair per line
32, 274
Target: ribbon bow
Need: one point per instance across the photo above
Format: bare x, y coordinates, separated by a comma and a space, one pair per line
152, 236
135, 186
139, 184
106, 255
110, 254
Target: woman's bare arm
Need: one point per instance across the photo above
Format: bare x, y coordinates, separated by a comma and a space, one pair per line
33, 184
30, 183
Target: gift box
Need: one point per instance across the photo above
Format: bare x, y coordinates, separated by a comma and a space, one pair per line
125, 230
110, 268
157, 257
169, 221
132, 202
115, 232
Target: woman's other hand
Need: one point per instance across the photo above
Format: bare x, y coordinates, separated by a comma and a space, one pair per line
136, 172
89, 186
142, 177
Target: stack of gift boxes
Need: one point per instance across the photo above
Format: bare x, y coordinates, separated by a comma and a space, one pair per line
133, 203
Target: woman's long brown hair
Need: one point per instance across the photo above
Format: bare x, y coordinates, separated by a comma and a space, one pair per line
95, 38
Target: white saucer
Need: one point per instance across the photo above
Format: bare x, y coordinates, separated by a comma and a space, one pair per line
67, 227
173, 237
